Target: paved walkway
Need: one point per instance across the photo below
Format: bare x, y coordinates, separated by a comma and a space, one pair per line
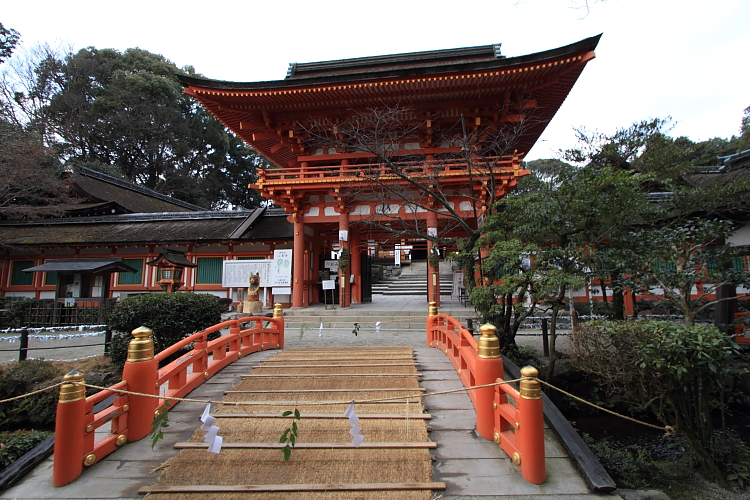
471, 467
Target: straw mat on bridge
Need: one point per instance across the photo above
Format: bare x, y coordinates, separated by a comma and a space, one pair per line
394, 461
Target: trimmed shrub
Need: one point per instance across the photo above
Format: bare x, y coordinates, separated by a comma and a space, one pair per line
35, 411
172, 317
16, 444
682, 373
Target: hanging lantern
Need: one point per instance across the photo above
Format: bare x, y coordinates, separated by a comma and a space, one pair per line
170, 265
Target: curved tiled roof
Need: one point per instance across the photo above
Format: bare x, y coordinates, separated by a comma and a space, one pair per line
159, 228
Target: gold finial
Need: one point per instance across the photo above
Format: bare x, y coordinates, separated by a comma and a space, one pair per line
488, 345
432, 309
277, 311
70, 390
530, 388
141, 347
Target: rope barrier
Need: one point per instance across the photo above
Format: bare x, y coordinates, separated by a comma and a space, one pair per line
29, 394
667, 428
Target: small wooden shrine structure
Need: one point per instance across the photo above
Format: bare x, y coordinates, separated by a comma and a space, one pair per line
82, 281
342, 135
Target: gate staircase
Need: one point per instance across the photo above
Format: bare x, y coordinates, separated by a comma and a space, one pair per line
413, 281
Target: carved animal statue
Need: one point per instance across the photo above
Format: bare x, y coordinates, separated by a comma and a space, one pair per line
252, 290
252, 305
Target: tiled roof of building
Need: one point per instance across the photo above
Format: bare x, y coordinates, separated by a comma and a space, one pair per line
156, 228
397, 65
134, 198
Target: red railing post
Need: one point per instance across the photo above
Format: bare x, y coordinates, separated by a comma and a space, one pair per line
432, 312
489, 367
279, 313
531, 420
70, 426
234, 331
141, 371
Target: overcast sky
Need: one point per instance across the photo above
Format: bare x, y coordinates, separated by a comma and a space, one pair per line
687, 59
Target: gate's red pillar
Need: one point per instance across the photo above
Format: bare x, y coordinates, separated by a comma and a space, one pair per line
433, 272
298, 256
315, 256
344, 286
356, 267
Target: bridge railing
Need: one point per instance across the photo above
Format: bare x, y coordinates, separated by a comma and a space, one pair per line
513, 419
131, 415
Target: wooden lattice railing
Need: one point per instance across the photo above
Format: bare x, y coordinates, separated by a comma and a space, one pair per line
511, 418
130, 416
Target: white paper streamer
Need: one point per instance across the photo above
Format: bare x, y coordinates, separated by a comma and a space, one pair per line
320, 330
45, 338
377, 327
54, 328
355, 431
212, 432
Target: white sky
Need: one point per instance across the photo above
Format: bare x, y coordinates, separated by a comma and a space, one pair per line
686, 59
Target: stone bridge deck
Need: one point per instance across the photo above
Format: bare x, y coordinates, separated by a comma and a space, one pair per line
470, 466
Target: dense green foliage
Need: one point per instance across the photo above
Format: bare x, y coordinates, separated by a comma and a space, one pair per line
172, 317
630, 466
125, 113
540, 240
16, 444
569, 223
681, 373
34, 411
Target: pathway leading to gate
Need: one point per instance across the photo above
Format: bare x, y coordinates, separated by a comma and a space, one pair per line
470, 467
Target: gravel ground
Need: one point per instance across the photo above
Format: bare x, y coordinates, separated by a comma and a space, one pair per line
53, 350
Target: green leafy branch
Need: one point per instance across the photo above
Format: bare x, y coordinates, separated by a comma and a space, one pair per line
303, 330
289, 436
161, 421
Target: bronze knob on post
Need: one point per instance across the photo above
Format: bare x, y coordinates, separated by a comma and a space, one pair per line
488, 345
530, 389
432, 309
70, 390
141, 347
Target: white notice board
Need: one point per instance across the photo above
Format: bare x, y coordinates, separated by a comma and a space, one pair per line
281, 271
237, 273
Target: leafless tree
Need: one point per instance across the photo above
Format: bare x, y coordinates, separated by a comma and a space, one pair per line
412, 159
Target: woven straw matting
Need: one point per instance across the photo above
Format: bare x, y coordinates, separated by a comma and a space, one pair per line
397, 466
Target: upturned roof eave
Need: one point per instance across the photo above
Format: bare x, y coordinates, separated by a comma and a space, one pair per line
585, 45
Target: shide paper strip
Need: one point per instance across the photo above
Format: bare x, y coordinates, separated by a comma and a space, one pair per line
212, 438
355, 431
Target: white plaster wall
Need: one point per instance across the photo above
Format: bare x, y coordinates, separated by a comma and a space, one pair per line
217, 293
741, 236
330, 211
391, 209
314, 211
